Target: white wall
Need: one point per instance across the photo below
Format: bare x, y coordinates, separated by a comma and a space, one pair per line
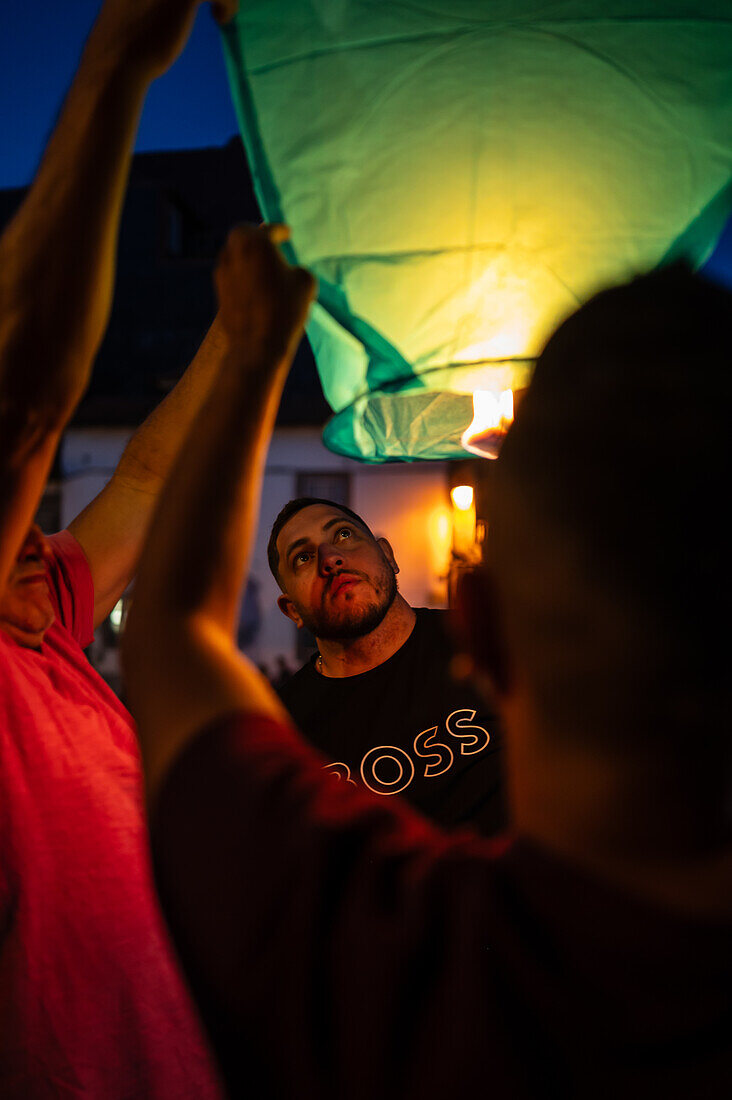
404, 503
88, 459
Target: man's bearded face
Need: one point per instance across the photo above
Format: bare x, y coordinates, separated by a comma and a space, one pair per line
339, 580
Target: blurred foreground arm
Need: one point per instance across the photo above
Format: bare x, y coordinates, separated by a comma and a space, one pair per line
273, 875
183, 669
112, 528
57, 254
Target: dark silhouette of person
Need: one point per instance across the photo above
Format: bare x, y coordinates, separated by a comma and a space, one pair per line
355, 949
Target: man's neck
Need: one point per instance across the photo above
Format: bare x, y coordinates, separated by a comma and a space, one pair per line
600, 813
349, 657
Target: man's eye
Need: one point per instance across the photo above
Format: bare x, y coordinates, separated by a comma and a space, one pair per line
302, 557
343, 532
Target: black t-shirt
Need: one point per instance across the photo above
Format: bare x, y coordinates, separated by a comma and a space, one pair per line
406, 727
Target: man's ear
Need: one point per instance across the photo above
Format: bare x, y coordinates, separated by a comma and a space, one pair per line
388, 553
479, 626
289, 610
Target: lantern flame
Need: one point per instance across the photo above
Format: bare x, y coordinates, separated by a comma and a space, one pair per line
462, 497
492, 417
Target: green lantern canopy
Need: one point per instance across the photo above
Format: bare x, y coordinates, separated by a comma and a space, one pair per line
460, 176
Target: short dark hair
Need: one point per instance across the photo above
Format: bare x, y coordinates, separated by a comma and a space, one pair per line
292, 508
608, 528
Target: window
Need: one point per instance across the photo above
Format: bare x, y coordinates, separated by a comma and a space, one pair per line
174, 230
185, 237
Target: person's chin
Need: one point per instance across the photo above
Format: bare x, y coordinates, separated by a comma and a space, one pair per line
352, 622
27, 634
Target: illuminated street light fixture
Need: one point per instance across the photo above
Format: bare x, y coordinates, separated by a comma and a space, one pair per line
464, 523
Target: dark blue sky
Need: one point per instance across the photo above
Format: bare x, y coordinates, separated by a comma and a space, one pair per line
40, 43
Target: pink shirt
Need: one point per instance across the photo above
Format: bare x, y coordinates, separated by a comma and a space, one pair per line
91, 1001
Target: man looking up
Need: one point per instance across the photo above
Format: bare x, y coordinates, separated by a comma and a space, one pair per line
357, 951
378, 699
91, 1001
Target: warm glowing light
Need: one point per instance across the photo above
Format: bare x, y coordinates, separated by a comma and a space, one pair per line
116, 615
439, 531
443, 527
463, 522
462, 497
511, 320
492, 416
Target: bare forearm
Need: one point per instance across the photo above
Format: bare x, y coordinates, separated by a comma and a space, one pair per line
57, 254
179, 654
180, 658
112, 528
206, 521
199, 545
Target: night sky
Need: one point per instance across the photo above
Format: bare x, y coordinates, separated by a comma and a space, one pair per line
40, 43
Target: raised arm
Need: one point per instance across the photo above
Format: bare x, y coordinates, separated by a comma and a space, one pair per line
112, 528
182, 666
57, 254
272, 874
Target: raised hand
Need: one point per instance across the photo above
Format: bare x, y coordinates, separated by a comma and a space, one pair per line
263, 300
152, 33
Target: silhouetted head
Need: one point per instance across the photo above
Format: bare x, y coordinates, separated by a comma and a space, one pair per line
609, 549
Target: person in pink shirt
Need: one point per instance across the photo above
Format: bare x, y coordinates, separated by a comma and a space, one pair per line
339, 944
91, 999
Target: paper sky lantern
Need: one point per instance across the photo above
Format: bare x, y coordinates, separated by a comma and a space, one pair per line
460, 176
